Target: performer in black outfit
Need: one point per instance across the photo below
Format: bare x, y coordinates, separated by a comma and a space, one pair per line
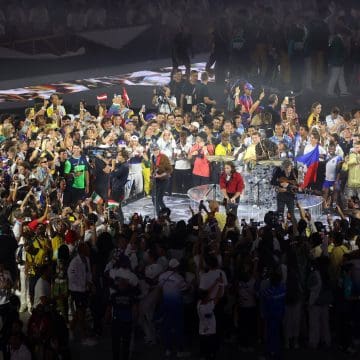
285, 180
118, 179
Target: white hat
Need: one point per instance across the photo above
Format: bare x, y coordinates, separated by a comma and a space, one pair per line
173, 264
134, 138
153, 271
195, 124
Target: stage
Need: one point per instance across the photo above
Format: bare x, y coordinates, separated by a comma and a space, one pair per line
179, 205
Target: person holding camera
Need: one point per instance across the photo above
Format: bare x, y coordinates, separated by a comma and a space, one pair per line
163, 100
118, 180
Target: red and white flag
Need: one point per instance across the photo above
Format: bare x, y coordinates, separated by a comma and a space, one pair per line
102, 97
125, 97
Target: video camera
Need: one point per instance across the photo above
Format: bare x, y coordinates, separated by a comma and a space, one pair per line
94, 151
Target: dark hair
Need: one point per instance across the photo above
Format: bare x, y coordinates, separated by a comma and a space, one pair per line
231, 164
204, 76
272, 98
305, 127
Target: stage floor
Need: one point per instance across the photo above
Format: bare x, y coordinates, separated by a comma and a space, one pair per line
179, 207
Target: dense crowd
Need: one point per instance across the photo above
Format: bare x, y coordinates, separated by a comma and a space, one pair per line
72, 261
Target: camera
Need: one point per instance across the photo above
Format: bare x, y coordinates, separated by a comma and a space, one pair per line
93, 151
159, 91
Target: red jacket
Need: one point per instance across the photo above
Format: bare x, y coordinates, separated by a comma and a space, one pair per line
234, 185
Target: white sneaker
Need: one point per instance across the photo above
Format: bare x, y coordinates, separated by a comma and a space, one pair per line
89, 342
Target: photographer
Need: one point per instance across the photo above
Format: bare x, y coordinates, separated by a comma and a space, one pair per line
102, 167
163, 100
118, 179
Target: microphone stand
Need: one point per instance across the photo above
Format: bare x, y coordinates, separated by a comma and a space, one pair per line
258, 193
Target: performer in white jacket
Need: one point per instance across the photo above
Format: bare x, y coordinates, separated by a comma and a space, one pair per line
80, 282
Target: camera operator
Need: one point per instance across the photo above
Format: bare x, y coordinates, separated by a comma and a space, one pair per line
118, 179
102, 166
163, 100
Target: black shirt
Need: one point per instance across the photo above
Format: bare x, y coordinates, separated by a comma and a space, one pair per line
275, 116
176, 89
122, 302
201, 92
188, 91
280, 173
346, 146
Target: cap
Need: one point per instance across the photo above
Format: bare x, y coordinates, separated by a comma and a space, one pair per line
173, 263
248, 86
134, 138
150, 116
195, 124
154, 147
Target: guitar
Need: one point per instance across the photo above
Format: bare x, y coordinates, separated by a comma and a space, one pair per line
293, 186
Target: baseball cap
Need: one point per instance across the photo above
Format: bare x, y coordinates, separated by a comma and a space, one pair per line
134, 138
150, 116
195, 124
248, 86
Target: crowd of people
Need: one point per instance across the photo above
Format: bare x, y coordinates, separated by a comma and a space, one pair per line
72, 261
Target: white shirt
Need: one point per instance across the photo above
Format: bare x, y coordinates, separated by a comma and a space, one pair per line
208, 279
207, 320
42, 288
79, 274
22, 353
309, 148
331, 165
122, 273
182, 164
167, 148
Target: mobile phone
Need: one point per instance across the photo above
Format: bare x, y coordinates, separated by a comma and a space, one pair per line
143, 108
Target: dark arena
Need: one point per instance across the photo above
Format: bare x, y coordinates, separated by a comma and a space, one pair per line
179, 179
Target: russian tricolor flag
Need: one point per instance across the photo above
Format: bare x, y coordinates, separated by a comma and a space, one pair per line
311, 160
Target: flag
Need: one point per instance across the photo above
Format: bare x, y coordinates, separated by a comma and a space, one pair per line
311, 160
102, 97
96, 198
112, 204
125, 97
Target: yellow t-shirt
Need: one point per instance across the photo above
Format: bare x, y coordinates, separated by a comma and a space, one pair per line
220, 218
312, 120
221, 150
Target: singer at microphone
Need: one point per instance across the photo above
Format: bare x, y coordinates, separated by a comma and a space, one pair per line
231, 186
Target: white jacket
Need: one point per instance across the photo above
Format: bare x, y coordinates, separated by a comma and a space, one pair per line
79, 274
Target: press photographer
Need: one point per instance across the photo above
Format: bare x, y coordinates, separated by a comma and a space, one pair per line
163, 100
